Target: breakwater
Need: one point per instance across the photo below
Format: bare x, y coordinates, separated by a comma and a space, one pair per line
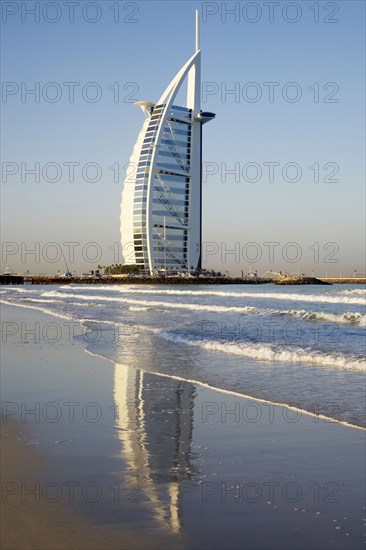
345, 280
300, 281
145, 280
11, 279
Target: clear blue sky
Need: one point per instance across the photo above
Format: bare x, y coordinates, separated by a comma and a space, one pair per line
325, 126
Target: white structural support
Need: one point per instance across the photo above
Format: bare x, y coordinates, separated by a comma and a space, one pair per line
163, 186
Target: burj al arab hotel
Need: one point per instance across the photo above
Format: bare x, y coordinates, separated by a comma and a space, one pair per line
161, 210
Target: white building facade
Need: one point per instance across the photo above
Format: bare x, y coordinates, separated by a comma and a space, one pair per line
161, 209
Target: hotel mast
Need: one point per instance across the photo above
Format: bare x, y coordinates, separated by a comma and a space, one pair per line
161, 209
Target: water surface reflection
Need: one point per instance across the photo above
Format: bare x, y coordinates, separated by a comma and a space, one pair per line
155, 428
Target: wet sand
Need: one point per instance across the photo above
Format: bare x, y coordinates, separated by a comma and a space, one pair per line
27, 524
30, 518
193, 466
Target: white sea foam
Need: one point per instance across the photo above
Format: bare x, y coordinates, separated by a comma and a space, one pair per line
349, 317
267, 352
353, 292
131, 329
12, 289
171, 305
42, 300
41, 309
347, 298
191, 307
88, 304
263, 352
98, 322
354, 318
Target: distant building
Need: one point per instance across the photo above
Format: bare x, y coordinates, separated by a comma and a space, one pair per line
161, 209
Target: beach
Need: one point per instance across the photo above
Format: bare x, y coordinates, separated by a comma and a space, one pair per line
122, 457
29, 519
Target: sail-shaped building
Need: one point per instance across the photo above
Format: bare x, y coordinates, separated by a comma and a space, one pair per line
161, 209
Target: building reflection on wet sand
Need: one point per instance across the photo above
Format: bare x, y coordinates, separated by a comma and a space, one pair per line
155, 425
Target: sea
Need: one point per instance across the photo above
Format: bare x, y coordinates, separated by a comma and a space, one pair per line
299, 346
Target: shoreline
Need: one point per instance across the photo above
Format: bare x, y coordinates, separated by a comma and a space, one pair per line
317, 417
30, 518
177, 509
232, 393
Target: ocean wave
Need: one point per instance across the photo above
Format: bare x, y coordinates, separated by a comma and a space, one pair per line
92, 304
267, 352
22, 290
353, 318
130, 328
42, 300
241, 395
329, 298
258, 399
148, 303
85, 321
191, 307
352, 292
57, 293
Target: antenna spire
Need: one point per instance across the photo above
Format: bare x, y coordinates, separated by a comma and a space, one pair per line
197, 32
